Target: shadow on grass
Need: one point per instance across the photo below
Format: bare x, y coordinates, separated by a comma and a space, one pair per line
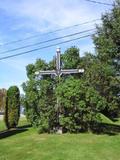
11, 132
104, 128
8, 133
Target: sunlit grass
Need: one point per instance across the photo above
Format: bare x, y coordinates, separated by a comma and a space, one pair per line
29, 145
22, 122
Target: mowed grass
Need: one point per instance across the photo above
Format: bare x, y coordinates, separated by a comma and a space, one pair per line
22, 122
29, 145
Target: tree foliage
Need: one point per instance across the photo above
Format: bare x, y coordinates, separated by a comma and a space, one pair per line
39, 99
79, 104
81, 97
12, 108
107, 43
71, 58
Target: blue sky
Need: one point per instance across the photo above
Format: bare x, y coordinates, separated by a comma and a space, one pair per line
24, 18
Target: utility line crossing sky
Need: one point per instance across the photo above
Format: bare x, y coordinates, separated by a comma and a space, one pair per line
23, 19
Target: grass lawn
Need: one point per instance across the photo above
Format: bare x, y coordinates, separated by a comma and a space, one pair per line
29, 145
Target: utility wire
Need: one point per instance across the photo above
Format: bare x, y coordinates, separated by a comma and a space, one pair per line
98, 2
54, 31
40, 48
50, 40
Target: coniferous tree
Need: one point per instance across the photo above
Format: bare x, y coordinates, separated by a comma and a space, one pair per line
12, 108
107, 43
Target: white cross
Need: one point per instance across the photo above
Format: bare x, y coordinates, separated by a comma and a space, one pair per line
58, 72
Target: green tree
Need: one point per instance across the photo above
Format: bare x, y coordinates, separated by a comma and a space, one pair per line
12, 108
39, 100
107, 37
80, 104
107, 43
80, 101
71, 58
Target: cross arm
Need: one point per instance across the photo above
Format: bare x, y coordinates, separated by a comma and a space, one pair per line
70, 71
48, 72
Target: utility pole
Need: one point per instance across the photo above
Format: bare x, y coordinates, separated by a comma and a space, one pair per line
58, 72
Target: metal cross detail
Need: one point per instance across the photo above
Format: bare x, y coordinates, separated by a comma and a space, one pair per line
58, 72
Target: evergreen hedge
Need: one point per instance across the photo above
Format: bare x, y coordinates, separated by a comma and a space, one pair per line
12, 108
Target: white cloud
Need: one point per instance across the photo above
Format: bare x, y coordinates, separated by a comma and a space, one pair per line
17, 63
48, 14
40, 16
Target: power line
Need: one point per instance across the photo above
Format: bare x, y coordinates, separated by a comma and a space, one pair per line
50, 40
37, 49
54, 31
98, 2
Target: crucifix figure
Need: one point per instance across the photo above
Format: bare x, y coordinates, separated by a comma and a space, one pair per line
58, 72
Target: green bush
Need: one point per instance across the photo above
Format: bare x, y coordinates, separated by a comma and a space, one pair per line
12, 108
79, 105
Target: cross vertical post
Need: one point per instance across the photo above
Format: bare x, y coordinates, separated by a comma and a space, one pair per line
58, 62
